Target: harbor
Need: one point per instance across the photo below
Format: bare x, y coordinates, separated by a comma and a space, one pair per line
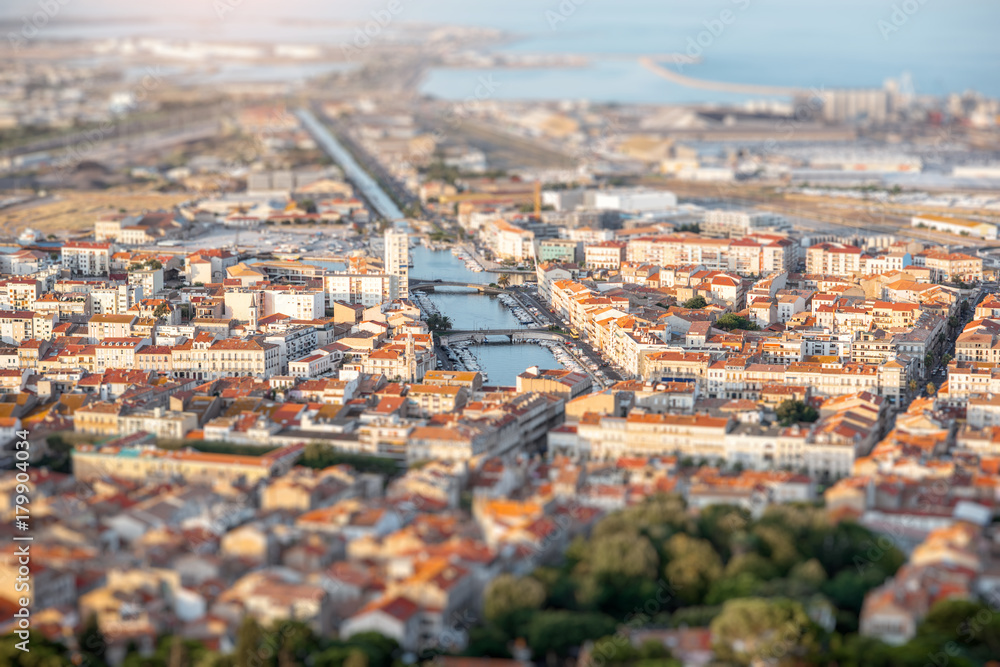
500, 361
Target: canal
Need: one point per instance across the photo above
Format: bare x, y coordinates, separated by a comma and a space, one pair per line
471, 310
365, 184
466, 308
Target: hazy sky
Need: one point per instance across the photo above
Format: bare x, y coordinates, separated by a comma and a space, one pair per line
948, 45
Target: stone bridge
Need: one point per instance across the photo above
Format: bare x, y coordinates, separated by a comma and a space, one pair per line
421, 285
515, 335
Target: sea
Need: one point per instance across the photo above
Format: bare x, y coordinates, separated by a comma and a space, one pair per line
943, 47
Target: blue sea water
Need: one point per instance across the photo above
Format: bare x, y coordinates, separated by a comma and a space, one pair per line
945, 46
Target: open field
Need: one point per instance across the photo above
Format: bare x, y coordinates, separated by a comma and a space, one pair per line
71, 212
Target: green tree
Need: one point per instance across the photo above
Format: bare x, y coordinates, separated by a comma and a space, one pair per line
734, 322
629, 555
793, 412
92, 643
296, 642
755, 630
777, 544
719, 524
742, 585
556, 633
695, 302
692, 567
751, 563
971, 625
504, 280
380, 651
43, 653
847, 590
931, 388
613, 650
437, 323
507, 594
248, 640
178, 655
488, 641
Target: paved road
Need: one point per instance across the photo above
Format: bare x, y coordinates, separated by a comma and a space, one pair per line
529, 296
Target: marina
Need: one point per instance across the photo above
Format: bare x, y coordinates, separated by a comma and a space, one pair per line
499, 362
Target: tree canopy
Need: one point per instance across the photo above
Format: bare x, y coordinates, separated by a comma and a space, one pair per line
734, 322
657, 564
794, 412
437, 323
695, 302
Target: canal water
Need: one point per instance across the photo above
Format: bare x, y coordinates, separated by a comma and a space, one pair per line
469, 309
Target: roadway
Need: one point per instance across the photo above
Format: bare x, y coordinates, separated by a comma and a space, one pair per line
528, 294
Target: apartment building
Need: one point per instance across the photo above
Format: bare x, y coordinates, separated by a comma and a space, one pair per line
117, 352
208, 266
114, 300
207, 359
405, 363
950, 267
367, 289
87, 258
607, 255
674, 366
508, 241
433, 399
100, 327
562, 382
145, 463
300, 303
649, 435
19, 293
559, 250
163, 424
397, 259
835, 259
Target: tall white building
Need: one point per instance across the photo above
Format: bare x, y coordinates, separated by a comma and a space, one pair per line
397, 258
